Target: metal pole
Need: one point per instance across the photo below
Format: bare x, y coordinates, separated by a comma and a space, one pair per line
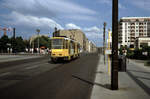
38, 30
114, 70
13, 41
104, 40
14, 32
38, 44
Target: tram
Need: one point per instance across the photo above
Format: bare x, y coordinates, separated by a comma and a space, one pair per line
64, 48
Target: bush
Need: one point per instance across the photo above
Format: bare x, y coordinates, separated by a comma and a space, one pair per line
147, 63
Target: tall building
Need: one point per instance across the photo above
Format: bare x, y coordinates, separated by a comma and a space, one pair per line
131, 28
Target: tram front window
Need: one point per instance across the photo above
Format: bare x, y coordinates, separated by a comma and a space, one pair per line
57, 44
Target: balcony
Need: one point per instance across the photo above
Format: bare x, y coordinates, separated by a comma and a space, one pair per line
141, 24
120, 38
141, 27
132, 24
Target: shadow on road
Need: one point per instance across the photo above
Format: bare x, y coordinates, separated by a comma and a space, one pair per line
61, 61
138, 71
107, 86
139, 82
142, 77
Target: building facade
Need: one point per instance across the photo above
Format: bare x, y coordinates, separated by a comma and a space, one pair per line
131, 28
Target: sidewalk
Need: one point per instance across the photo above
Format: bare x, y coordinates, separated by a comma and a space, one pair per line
128, 88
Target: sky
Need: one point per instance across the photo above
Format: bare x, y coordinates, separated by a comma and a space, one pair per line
88, 15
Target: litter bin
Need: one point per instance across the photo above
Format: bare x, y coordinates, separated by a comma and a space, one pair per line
122, 63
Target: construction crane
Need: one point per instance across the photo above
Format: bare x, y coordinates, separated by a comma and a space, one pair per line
5, 29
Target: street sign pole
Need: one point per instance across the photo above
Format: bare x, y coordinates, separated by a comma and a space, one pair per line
114, 70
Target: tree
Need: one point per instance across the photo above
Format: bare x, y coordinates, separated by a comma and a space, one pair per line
20, 45
27, 43
146, 49
44, 41
4, 44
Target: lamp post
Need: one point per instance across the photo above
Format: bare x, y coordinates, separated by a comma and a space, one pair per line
38, 31
114, 70
104, 40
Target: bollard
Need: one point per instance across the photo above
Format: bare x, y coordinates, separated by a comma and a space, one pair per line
122, 63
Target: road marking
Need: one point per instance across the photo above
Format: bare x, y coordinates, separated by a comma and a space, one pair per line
32, 67
4, 74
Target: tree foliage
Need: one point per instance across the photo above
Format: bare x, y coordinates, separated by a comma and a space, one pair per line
18, 44
4, 44
43, 41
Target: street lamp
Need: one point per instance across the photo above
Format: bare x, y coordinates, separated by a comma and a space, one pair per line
38, 31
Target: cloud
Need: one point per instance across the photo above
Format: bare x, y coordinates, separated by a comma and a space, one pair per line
32, 22
49, 8
72, 26
105, 1
29, 21
144, 4
82, 17
93, 32
109, 2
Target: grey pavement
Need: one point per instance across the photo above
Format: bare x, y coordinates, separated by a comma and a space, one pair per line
6, 58
133, 84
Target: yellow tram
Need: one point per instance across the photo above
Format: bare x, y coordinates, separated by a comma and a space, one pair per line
64, 48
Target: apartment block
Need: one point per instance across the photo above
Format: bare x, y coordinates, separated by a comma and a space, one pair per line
131, 28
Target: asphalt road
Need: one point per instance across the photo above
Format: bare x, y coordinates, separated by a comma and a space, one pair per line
42, 79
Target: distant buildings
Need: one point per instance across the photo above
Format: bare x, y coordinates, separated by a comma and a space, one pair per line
79, 36
109, 43
132, 29
109, 40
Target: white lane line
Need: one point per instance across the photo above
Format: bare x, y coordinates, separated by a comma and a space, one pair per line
4, 74
32, 67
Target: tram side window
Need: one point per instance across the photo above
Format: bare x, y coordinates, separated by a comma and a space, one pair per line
71, 45
78, 48
74, 47
57, 44
64, 44
67, 44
